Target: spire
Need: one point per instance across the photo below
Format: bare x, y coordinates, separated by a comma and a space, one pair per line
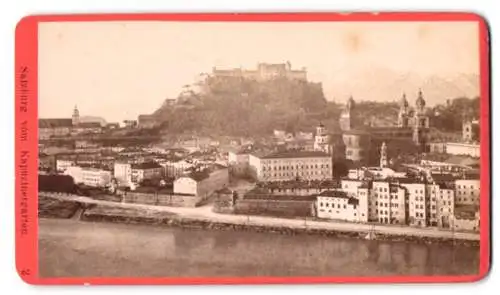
76, 116
404, 101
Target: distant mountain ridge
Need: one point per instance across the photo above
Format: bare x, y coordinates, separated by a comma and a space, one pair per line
382, 85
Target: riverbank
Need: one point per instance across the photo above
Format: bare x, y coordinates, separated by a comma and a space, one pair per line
190, 223
204, 218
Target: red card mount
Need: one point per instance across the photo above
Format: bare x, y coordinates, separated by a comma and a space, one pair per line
26, 152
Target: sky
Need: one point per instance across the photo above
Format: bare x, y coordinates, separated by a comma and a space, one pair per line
118, 70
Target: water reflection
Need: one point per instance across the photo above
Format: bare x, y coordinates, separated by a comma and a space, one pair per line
71, 248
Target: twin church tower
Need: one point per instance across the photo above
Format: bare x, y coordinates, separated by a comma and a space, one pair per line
360, 141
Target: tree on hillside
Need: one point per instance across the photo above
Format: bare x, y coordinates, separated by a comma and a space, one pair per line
241, 107
450, 116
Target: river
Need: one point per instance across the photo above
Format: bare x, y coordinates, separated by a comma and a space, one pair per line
73, 248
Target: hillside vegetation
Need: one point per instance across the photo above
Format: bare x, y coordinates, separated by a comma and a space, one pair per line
245, 107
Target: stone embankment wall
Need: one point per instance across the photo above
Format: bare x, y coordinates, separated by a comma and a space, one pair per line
161, 199
202, 224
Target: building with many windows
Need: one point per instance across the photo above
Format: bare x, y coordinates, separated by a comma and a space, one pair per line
89, 176
388, 203
290, 165
467, 191
338, 205
147, 170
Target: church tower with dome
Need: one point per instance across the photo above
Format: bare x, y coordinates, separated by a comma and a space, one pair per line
409, 133
404, 112
420, 120
348, 115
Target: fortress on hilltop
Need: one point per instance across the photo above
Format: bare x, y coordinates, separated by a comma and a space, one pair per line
264, 71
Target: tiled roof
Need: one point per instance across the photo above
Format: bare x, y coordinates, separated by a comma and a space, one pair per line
146, 165
296, 154
340, 195
442, 177
301, 184
334, 194
263, 196
54, 123
198, 175
89, 125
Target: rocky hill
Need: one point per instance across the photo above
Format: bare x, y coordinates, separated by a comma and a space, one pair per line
240, 107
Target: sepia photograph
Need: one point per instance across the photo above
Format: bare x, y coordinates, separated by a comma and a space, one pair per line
185, 149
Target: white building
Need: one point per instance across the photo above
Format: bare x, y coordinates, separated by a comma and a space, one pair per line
417, 203
175, 169
464, 149
148, 170
338, 205
390, 203
467, 191
202, 183
350, 186
322, 140
62, 165
89, 176
398, 201
375, 173
282, 166
442, 204
467, 218
123, 173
